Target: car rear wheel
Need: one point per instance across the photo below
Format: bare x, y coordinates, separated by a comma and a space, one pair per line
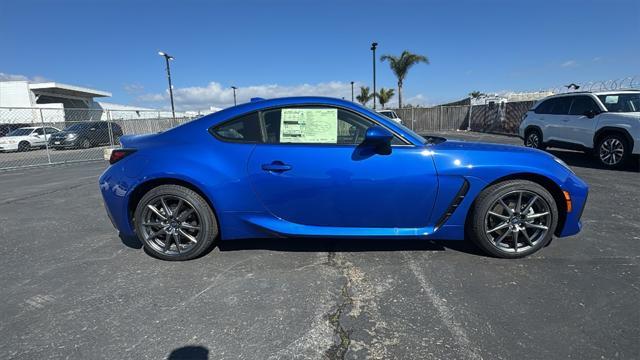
612, 150
175, 223
513, 219
533, 139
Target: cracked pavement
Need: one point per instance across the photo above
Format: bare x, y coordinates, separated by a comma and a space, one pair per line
71, 288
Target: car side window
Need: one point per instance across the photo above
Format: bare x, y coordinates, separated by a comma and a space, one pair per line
38, 131
545, 107
245, 128
561, 105
318, 125
51, 130
582, 104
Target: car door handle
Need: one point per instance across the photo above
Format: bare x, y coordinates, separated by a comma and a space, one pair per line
276, 166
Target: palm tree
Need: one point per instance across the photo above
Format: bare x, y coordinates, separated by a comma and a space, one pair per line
400, 66
384, 96
476, 94
364, 96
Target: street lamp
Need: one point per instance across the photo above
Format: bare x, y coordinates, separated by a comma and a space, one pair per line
234, 95
168, 57
373, 49
352, 91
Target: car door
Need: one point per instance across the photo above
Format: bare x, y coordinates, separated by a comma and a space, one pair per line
313, 170
37, 137
556, 120
581, 122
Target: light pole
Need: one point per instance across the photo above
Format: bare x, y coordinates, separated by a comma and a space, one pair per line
168, 57
352, 91
373, 49
234, 95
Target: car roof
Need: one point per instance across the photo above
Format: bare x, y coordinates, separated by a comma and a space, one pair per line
30, 127
596, 93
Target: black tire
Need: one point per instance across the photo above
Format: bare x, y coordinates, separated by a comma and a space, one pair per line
24, 146
204, 216
533, 139
536, 238
85, 144
612, 150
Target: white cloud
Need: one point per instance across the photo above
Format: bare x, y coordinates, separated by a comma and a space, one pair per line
134, 88
217, 96
569, 63
18, 77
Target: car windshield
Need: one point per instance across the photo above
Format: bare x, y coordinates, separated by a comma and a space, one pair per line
388, 114
20, 132
622, 102
422, 139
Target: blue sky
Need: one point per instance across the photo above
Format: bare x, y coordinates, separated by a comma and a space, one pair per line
275, 48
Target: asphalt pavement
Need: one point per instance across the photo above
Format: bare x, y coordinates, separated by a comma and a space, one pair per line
71, 288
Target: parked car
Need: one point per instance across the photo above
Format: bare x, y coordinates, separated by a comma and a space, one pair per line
26, 138
280, 168
86, 134
605, 123
391, 115
7, 128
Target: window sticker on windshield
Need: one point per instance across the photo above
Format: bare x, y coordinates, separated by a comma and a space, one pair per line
611, 99
309, 126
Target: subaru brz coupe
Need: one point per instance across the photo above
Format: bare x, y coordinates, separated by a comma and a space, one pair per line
326, 168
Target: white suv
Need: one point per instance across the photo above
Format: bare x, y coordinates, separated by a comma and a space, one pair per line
391, 115
607, 123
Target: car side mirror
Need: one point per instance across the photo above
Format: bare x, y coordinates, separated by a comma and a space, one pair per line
590, 114
379, 138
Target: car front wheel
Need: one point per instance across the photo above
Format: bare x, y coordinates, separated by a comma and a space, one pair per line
175, 223
513, 219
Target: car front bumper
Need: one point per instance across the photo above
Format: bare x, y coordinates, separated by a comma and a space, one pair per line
8, 147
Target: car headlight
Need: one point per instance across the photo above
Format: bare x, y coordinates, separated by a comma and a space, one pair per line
71, 136
564, 164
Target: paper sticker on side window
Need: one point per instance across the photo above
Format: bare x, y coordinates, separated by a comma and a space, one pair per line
611, 99
309, 126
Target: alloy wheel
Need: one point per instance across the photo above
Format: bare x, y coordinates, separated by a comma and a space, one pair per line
533, 141
171, 225
517, 221
611, 151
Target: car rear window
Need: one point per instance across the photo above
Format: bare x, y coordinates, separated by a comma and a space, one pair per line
245, 129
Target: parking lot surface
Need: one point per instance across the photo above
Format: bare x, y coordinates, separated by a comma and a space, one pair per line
71, 288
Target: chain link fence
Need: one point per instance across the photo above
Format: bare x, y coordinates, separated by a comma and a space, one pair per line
498, 118
45, 136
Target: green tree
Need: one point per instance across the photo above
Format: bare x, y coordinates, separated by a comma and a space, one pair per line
384, 95
365, 95
475, 94
400, 66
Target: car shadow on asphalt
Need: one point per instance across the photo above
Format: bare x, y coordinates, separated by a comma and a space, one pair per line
332, 245
347, 245
584, 160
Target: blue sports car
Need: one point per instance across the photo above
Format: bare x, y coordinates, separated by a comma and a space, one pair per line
322, 167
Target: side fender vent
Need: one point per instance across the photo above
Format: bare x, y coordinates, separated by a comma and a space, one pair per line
454, 204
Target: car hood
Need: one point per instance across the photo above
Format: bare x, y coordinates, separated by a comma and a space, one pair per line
488, 147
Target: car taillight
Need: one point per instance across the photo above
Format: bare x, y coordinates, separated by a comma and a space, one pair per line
119, 154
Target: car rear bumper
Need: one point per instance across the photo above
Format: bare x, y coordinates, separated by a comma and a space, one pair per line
115, 194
